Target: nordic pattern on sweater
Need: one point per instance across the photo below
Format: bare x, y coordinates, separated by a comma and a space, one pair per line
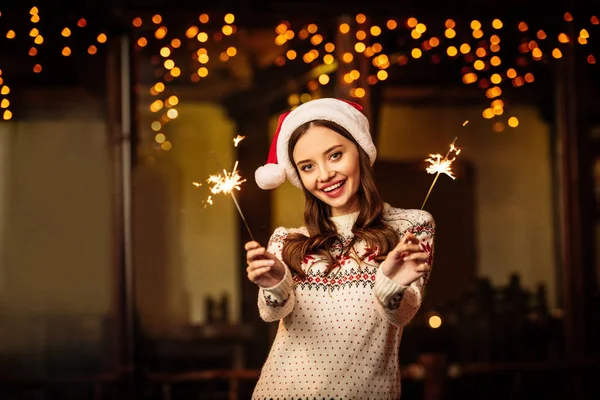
339, 335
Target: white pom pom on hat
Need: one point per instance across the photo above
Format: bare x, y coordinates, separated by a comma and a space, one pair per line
344, 113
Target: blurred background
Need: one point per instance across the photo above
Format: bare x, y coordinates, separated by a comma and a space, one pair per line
122, 276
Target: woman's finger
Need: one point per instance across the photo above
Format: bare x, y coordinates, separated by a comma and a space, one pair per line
251, 245
254, 275
423, 268
419, 256
254, 254
408, 247
409, 238
259, 264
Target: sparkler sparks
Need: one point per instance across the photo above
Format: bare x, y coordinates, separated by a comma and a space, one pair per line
226, 182
238, 139
439, 165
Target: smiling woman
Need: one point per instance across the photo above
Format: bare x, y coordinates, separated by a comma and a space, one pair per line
345, 284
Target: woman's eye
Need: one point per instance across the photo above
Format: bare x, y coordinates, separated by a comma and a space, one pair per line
336, 155
306, 167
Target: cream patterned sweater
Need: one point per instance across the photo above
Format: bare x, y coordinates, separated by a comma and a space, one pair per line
339, 335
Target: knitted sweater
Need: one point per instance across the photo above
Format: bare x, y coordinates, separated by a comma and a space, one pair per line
339, 335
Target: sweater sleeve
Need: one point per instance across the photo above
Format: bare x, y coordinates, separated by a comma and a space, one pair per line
276, 302
399, 304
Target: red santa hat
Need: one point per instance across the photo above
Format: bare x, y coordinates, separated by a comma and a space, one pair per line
344, 113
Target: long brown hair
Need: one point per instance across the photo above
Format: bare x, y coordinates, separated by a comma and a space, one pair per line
369, 226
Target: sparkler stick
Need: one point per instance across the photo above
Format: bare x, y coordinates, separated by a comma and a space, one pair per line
225, 183
441, 165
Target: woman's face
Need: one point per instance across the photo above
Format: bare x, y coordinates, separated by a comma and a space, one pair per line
328, 165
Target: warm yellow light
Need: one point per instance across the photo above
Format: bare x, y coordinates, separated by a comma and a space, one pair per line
142, 42
289, 34
202, 72
361, 18
227, 30
93, 49
582, 40
316, 40
344, 28
172, 113
10, 34
34, 32
511, 73
434, 42
202, 37
38, 39
348, 78
160, 33
165, 52
450, 33
488, 113
34, 11
359, 47
375, 30
421, 28
156, 105
523, 26
480, 52
495, 61
37, 68
556, 53
435, 321
493, 92
495, 48
203, 58
160, 137
496, 79
529, 78
229, 18
360, 92
355, 74
347, 57
312, 28
66, 32
169, 64
475, 25
66, 51
494, 39
497, 24
478, 34
452, 51
382, 75
157, 19
536, 53
412, 22
191, 32
479, 65
391, 24
166, 146
231, 51
563, 38
137, 22
584, 34
291, 54
465, 48
5, 90
159, 87
415, 34
323, 79
5, 103
513, 122
7, 115
328, 59
416, 53
203, 18
175, 72
155, 126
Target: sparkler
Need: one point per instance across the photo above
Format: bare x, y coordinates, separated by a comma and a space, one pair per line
225, 183
238, 139
439, 165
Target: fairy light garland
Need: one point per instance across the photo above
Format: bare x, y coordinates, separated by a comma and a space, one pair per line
478, 45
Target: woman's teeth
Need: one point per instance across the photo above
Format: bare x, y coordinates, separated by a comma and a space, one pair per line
333, 187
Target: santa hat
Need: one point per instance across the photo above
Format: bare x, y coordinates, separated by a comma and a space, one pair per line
344, 113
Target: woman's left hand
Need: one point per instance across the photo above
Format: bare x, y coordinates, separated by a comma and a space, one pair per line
407, 262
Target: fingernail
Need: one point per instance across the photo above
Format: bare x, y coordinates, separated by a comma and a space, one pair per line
271, 262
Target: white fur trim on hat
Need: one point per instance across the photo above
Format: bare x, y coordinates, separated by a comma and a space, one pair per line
269, 176
329, 109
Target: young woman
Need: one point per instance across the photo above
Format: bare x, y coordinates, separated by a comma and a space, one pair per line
345, 284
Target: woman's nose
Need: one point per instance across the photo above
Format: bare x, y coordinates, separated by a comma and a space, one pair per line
325, 174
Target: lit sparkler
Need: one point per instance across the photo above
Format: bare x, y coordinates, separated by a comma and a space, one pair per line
225, 183
238, 139
439, 165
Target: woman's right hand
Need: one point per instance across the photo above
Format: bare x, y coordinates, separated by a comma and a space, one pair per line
264, 268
